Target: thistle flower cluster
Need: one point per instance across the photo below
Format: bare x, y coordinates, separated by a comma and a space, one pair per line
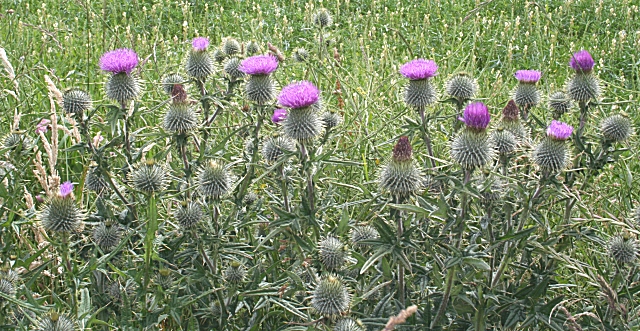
420, 92
302, 123
472, 148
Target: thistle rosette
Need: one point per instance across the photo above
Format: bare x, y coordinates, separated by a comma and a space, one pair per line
61, 212
199, 64
583, 86
260, 88
472, 148
302, 123
526, 94
401, 176
420, 92
121, 86
552, 153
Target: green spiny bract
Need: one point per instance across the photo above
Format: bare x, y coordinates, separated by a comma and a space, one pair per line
122, 88
302, 124
119, 293
330, 120
583, 87
180, 118
491, 190
252, 48
526, 95
107, 237
94, 181
560, 103
235, 273
275, 147
472, 149
420, 93
16, 141
623, 250
300, 54
322, 18
188, 214
7, 288
551, 155
219, 56
231, 68
461, 86
149, 177
250, 198
230, 46
260, 89
61, 214
309, 275
616, 128
503, 141
56, 322
199, 64
76, 101
348, 324
214, 180
332, 253
11, 276
330, 297
172, 79
363, 232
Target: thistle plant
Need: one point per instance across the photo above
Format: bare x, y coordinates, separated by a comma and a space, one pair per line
76, 102
552, 154
583, 87
560, 103
330, 298
472, 148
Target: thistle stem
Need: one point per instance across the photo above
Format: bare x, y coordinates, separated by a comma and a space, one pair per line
203, 253
206, 106
284, 189
152, 227
66, 259
306, 164
246, 180
426, 137
397, 214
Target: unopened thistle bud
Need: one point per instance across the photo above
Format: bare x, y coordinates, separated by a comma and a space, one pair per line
7, 288
231, 68
322, 18
252, 48
330, 120
401, 176
235, 273
472, 148
170, 80
363, 232
462, 87
526, 94
348, 324
302, 122
180, 118
56, 322
214, 180
503, 141
230, 46
552, 154
332, 253
121, 86
623, 250
560, 103
149, 177
76, 101
199, 64
94, 181
511, 122
164, 278
616, 128
275, 147
260, 87
219, 56
419, 92
188, 214
16, 141
583, 86
61, 213
330, 297
107, 237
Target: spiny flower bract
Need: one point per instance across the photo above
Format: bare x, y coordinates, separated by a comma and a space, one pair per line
76, 101
275, 147
332, 253
106, 236
616, 127
180, 118
149, 177
235, 273
214, 180
94, 181
560, 103
61, 214
330, 120
322, 18
401, 176
232, 68
230, 46
199, 64
122, 87
56, 322
170, 80
260, 89
348, 324
363, 232
188, 214
623, 250
583, 87
330, 298
472, 149
461, 86
503, 141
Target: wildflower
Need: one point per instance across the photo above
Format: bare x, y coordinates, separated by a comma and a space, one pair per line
259, 88
279, 115
472, 148
526, 94
199, 64
299, 95
121, 86
552, 154
76, 101
583, 86
43, 126
330, 297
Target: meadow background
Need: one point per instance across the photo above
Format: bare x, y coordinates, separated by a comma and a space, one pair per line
490, 40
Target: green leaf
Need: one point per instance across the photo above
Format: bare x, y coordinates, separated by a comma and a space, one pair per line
477, 263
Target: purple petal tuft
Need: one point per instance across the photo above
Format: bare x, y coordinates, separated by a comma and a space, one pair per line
419, 69
559, 130
259, 65
66, 189
528, 76
279, 115
299, 95
200, 43
582, 61
119, 60
476, 116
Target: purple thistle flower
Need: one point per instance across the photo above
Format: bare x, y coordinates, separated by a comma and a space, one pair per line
279, 115
200, 43
66, 189
559, 130
119, 60
528, 76
476, 116
42, 126
259, 65
582, 61
419, 69
299, 95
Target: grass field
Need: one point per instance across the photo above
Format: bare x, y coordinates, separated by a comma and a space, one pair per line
460, 260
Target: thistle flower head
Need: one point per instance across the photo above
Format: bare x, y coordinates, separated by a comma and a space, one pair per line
559, 130
300, 54
149, 177
560, 103
259, 65
214, 180
623, 250
75, 101
61, 214
170, 80
616, 127
330, 297
43, 126
274, 148
189, 214
331, 120
235, 273
66, 189
278, 115
348, 324
462, 86
402, 151
528, 76
299, 95
332, 253
106, 236
119, 61
56, 322
322, 18
200, 44
419, 69
363, 232
476, 116
230, 46
252, 48
582, 61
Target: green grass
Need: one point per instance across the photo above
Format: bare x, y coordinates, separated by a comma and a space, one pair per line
490, 40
